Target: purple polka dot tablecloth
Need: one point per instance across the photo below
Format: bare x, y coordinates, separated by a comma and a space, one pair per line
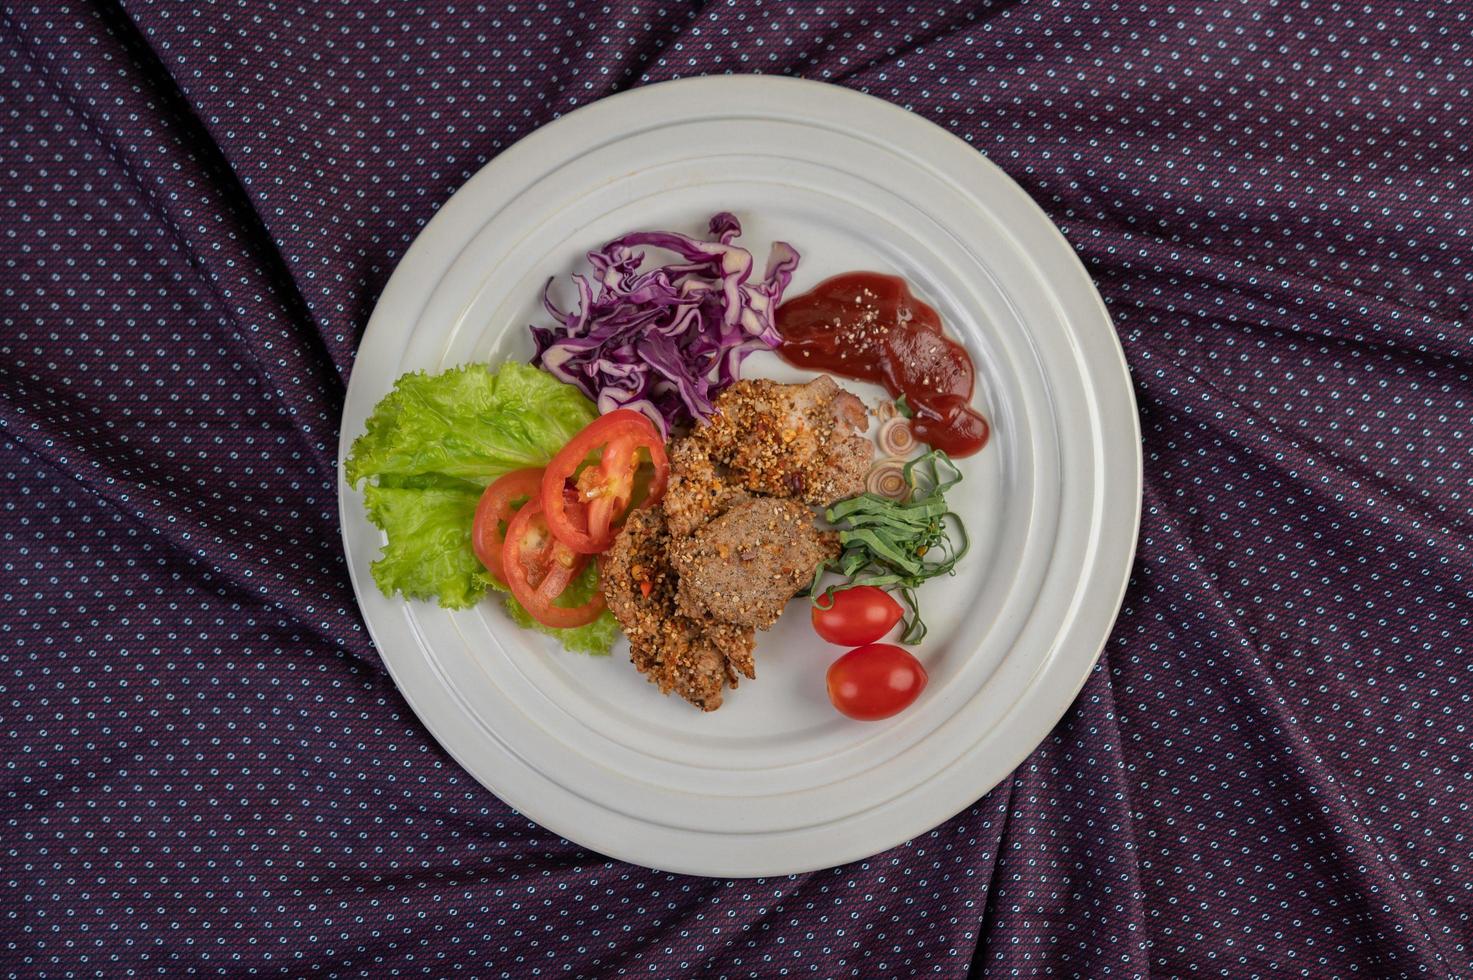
207, 772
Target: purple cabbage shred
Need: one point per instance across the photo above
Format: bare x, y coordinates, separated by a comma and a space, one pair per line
667, 340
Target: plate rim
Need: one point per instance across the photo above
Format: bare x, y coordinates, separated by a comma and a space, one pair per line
1111, 374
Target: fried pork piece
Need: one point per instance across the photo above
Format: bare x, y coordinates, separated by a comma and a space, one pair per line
696, 657
744, 566
697, 491
804, 442
733, 539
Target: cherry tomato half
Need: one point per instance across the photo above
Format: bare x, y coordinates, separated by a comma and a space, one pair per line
498, 503
875, 681
604, 487
862, 614
538, 568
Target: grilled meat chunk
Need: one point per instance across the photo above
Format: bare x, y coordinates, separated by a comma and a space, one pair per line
733, 539
744, 566
696, 657
804, 442
698, 489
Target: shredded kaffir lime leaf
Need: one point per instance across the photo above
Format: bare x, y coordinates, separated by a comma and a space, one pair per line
896, 545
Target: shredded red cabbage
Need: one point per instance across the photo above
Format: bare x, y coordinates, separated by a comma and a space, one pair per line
668, 340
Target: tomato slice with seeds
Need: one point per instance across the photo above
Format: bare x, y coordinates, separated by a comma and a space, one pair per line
605, 487
498, 505
538, 567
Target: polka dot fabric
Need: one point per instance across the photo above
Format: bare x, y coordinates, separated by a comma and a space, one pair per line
206, 772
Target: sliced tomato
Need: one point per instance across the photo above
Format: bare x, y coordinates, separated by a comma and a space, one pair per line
498, 504
538, 567
605, 487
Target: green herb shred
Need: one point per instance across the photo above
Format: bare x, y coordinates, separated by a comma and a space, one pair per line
897, 545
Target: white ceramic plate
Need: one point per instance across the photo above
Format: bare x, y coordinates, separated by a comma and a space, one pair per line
776, 781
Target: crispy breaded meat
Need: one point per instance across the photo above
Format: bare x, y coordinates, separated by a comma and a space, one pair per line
744, 566
698, 489
696, 657
804, 442
733, 539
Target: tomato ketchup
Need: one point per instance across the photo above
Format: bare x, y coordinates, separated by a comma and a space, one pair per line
868, 326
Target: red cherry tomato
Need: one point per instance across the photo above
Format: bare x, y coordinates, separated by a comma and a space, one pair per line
862, 614
875, 681
498, 505
605, 487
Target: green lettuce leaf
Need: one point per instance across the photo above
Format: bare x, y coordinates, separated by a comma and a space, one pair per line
471, 423
431, 447
428, 554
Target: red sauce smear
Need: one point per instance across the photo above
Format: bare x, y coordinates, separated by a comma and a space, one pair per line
868, 326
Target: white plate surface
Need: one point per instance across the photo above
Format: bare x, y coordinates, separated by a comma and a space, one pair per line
776, 782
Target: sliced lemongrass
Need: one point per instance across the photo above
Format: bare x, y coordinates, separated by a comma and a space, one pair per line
896, 438
886, 478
